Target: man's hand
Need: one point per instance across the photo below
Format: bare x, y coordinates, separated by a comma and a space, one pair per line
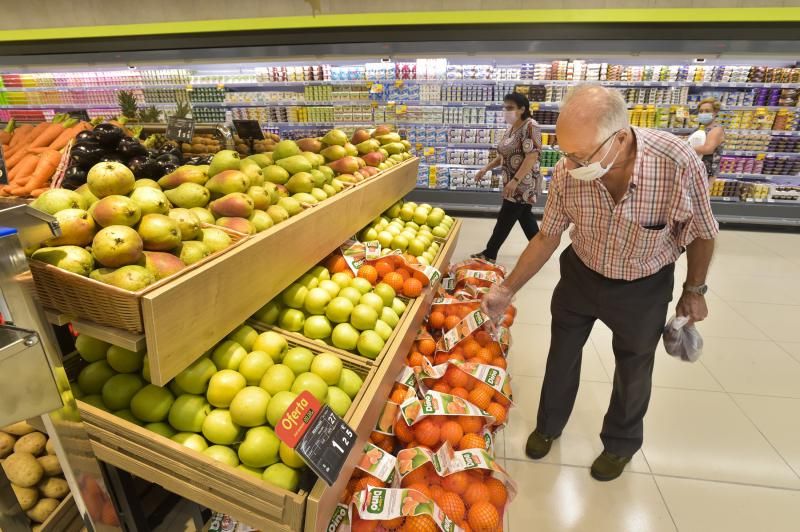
496, 301
509, 189
693, 306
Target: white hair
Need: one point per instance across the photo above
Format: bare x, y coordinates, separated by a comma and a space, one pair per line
608, 107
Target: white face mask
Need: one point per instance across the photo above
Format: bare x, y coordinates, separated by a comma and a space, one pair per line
593, 170
510, 117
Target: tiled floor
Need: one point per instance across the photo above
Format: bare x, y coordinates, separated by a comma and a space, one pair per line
722, 436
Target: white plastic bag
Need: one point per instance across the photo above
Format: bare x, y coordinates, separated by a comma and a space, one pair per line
698, 138
682, 340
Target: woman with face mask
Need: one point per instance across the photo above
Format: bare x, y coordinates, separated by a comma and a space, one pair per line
711, 150
518, 157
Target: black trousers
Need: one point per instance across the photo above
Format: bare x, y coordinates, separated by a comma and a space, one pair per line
510, 213
635, 311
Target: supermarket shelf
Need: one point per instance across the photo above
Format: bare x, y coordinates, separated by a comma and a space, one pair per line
767, 131
765, 177
766, 153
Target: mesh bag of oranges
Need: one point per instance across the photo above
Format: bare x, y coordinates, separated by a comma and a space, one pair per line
476, 273
474, 339
448, 311
484, 386
423, 348
404, 388
404, 509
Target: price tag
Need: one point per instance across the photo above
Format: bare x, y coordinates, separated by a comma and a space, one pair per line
321, 438
80, 114
248, 129
180, 129
3, 175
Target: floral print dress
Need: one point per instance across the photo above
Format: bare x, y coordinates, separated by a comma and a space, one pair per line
513, 148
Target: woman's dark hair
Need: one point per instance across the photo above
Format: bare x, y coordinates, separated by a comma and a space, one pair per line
521, 101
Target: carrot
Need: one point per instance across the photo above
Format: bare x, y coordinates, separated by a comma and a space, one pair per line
37, 151
45, 168
20, 133
47, 136
66, 136
25, 166
12, 161
38, 192
5, 137
31, 134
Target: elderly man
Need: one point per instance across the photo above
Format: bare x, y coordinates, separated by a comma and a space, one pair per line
638, 199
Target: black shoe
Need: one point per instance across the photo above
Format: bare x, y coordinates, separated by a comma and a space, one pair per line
482, 257
538, 445
608, 466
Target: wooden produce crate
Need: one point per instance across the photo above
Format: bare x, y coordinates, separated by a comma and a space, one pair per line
196, 476
65, 518
323, 498
184, 319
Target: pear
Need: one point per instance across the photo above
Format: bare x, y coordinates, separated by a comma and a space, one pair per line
314, 159
110, 179
333, 153
345, 165
277, 213
228, 182
251, 169
328, 171
319, 194
115, 210
275, 174
240, 225
373, 158
271, 189
261, 159
318, 178
146, 183
189, 195
193, 251
117, 245
294, 164
203, 214
310, 144
285, 149
350, 150
329, 189
300, 182
215, 239
291, 205
233, 205
359, 136
368, 146
335, 137
84, 192
224, 160
159, 232
261, 220
187, 222
304, 198
70, 258
389, 138
261, 199
57, 199
77, 228
132, 278
162, 264
151, 200
184, 174
394, 148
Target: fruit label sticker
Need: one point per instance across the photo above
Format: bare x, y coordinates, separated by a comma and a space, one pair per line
449, 283
180, 129
339, 519
436, 403
378, 504
407, 378
478, 264
494, 376
480, 277
372, 250
377, 462
430, 272
471, 323
3, 174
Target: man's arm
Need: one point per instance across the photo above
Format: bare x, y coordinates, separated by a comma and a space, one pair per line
698, 259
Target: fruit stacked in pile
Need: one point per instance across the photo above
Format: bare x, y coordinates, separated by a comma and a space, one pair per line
339, 310
259, 146
225, 404
30, 463
394, 270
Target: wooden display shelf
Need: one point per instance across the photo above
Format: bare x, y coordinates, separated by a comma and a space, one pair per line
65, 518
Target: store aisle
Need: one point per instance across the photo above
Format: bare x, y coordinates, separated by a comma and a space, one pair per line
721, 450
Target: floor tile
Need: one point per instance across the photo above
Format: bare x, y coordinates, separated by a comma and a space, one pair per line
778, 420
560, 499
755, 288
793, 348
778, 322
699, 506
580, 442
752, 367
705, 435
725, 321
533, 306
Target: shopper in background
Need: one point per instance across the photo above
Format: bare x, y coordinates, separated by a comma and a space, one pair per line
518, 156
710, 151
637, 198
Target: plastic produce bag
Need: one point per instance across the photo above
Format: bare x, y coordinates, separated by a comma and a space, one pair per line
682, 340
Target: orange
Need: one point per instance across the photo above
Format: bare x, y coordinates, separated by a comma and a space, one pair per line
360, 525
427, 433
392, 524
436, 491
426, 346
384, 267
460, 392
369, 273
452, 505
368, 480
398, 396
402, 272
471, 441
395, 280
403, 431
441, 357
421, 277
476, 492
483, 517
421, 487
457, 482
452, 432
495, 349
480, 398
410, 259
483, 338
455, 377
414, 359
499, 362
436, 319
471, 347
387, 445
336, 264
451, 321
485, 355
441, 387
420, 523
415, 477
498, 494
412, 288
468, 423
498, 412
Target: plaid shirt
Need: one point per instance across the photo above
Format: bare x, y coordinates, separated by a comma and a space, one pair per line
665, 208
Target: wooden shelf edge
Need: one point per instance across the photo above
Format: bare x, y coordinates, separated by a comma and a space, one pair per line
121, 338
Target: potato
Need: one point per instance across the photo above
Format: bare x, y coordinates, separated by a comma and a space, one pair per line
50, 465
50, 447
6, 444
42, 510
23, 470
27, 497
18, 429
54, 488
36, 528
31, 443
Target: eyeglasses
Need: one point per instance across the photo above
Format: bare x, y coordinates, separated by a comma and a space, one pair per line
588, 160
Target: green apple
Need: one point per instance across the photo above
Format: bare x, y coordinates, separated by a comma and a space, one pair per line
228, 355
370, 344
316, 300
398, 306
311, 382
152, 403
223, 454
260, 447
383, 329
332, 287
291, 319
119, 390
345, 336
277, 378
406, 212
127, 415
412, 225
162, 429
254, 365
369, 235
255, 471
361, 284
317, 327
386, 293
95, 400
298, 359
220, 428
328, 366
273, 344
373, 300
249, 407
146, 368
245, 336
389, 317
424, 261
342, 279
351, 293
224, 386
416, 247
194, 379
191, 440
188, 413
349, 382
339, 309
363, 317
269, 313
338, 401
385, 239
124, 361
393, 230
92, 378
320, 272
400, 242
309, 280
290, 457
282, 476
91, 349
278, 405
440, 231
176, 389
294, 296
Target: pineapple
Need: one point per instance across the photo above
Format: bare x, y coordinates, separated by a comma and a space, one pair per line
127, 102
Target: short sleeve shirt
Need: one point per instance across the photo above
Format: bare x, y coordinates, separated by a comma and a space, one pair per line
513, 147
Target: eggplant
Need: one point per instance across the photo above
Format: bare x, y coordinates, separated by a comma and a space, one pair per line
86, 136
109, 135
168, 158
145, 168
71, 183
89, 143
167, 168
113, 157
73, 178
129, 147
152, 153
86, 156
171, 147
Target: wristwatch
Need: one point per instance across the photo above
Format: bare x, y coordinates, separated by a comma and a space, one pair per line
699, 289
